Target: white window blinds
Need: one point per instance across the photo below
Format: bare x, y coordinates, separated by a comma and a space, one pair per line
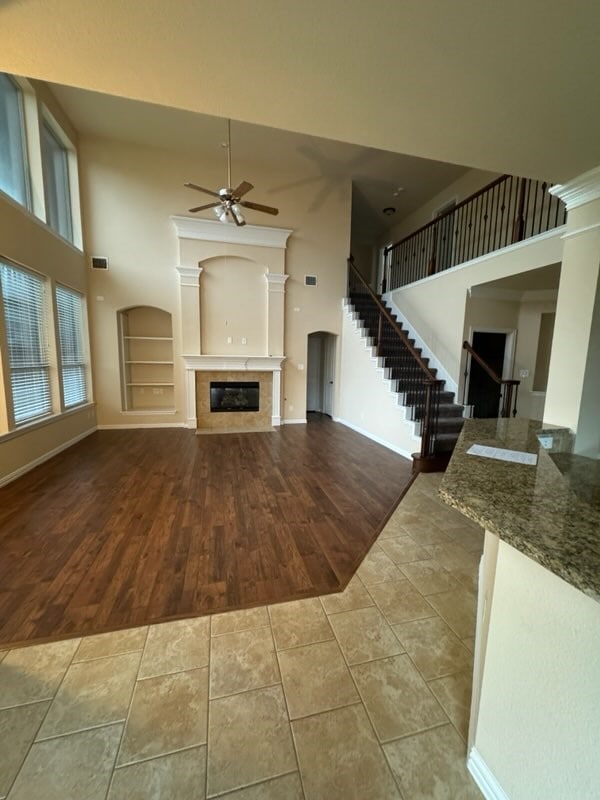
24, 303
72, 351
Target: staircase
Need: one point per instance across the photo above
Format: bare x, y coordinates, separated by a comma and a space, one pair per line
438, 418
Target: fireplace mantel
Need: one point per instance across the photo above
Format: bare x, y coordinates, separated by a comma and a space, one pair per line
226, 363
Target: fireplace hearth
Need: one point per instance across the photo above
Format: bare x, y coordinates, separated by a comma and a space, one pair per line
227, 396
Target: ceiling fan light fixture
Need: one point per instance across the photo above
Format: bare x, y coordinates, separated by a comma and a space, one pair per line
229, 206
238, 211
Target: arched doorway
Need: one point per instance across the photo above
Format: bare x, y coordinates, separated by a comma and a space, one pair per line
320, 372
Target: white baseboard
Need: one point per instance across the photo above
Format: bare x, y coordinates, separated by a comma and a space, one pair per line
484, 778
131, 425
276, 421
293, 421
374, 438
46, 457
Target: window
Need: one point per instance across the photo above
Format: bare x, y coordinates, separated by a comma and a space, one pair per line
55, 158
13, 160
72, 351
24, 304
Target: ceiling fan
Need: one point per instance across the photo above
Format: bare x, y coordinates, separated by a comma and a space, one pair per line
230, 203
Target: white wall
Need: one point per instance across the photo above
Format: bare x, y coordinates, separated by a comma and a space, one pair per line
365, 401
539, 712
530, 403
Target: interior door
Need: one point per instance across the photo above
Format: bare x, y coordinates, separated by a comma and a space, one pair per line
484, 392
314, 373
328, 373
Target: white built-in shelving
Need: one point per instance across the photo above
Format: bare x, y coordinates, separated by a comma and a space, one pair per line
146, 341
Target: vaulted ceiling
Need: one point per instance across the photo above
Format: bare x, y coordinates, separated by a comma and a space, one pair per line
505, 86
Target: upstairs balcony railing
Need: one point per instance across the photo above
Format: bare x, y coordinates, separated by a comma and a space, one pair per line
504, 212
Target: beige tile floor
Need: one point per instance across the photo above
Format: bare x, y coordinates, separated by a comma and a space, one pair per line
362, 694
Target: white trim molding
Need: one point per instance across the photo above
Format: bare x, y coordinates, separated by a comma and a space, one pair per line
579, 231
212, 231
580, 190
293, 421
12, 476
189, 276
484, 778
199, 363
276, 281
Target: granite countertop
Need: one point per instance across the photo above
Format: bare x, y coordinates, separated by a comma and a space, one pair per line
547, 511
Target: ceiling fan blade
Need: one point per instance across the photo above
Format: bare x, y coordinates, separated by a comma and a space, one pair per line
239, 221
260, 207
201, 189
203, 208
242, 189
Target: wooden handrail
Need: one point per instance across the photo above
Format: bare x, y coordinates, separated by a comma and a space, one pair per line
487, 368
397, 329
447, 213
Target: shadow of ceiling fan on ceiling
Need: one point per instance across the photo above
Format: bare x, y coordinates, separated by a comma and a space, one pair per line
332, 173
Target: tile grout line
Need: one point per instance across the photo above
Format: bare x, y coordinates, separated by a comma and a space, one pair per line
208, 701
285, 700
250, 785
362, 703
33, 741
118, 748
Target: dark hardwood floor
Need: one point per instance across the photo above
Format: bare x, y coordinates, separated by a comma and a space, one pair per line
132, 527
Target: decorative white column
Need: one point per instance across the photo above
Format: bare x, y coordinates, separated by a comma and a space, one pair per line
573, 393
275, 312
189, 292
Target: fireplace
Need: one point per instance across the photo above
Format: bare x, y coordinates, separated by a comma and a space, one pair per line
234, 396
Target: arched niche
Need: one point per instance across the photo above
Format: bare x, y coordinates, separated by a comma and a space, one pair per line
146, 359
233, 306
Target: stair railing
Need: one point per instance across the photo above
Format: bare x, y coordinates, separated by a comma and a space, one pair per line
506, 211
417, 381
508, 387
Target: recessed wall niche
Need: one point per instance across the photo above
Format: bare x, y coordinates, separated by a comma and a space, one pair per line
146, 356
233, 307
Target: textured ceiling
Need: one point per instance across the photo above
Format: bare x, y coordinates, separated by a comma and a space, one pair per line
508, 86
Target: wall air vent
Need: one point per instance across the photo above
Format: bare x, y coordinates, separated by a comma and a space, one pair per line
99, 262
310, 280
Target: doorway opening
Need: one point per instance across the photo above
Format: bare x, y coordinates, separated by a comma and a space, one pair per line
320, 372
496, 348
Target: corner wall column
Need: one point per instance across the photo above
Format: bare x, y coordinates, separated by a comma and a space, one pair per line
189, 295
573, 372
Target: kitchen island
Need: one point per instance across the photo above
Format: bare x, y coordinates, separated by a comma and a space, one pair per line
535, 711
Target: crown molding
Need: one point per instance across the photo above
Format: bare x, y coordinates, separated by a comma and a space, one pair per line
208, 230
582, 189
